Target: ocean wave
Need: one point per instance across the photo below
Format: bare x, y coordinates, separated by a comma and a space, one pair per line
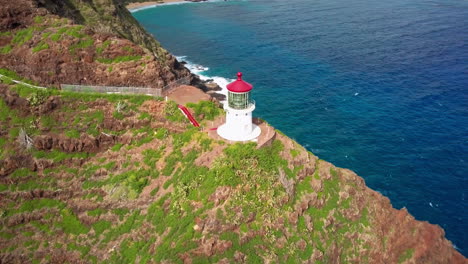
133, 10
201, 70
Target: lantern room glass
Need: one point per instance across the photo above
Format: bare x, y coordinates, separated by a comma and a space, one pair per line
239, 100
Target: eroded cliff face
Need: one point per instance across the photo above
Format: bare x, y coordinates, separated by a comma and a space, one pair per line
82, 42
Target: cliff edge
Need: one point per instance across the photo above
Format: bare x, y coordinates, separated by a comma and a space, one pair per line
82, 42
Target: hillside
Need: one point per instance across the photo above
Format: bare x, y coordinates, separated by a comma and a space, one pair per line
126, 178
88, 178
82, 42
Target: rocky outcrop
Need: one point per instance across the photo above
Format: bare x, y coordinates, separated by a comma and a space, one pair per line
97, 43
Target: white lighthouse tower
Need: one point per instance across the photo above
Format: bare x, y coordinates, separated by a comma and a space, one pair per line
239, 108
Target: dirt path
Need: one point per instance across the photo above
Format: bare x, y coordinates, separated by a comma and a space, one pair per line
187, 94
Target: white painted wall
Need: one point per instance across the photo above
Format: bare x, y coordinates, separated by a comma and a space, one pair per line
238, 126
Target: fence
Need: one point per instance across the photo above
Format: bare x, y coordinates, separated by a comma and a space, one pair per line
170, 87
111, 89
126, 90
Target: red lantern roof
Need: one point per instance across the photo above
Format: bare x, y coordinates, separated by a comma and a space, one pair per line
239, 86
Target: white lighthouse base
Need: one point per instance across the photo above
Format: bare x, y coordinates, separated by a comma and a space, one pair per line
232, 135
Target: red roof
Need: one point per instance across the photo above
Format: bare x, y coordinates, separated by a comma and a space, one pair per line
239, 86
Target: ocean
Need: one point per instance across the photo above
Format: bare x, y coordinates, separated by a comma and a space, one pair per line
379, 87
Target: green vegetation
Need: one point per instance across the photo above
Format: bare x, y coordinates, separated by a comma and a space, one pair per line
173, 113
39, 19
6, 49
75, 31
13, 75
82, 44
119, 59
71, 224
23, 36
58, 156
55, 37
5, 34
101, 48
158, 188
294, 153
408, 254
100, 226
37, 97
72, 133
208, 109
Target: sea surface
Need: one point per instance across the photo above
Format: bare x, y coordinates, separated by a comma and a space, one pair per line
379, 87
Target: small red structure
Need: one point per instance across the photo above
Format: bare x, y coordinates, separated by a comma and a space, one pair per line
189, 116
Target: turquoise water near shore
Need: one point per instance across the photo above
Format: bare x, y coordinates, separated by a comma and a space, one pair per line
377, 87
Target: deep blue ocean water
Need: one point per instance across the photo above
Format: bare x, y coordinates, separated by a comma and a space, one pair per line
380, 87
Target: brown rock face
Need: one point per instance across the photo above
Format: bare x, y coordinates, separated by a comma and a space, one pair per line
85, 143
111, 50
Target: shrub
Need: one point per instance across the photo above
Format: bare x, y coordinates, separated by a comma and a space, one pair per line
206, 108
38, 97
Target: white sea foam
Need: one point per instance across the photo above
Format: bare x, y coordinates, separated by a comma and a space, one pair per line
133, 10
200, 69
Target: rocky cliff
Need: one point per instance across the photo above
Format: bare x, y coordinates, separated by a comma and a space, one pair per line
82, 42
122, 179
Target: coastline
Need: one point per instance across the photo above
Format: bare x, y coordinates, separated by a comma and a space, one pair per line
137, 6
199, 71
141, 5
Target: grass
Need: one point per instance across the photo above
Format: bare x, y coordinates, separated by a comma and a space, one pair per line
58, 156
5, 34
39, 19
408, 254
82, 44
294, 152
152, 156
101, 48
23, 36
101, 225
72, 133
75, 31
70, 224
6, 49
37, 204
40, 46
55, 37
119, 59
117, 147
13, 75
210, 110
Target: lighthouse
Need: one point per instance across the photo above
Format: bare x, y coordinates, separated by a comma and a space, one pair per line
239, 108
